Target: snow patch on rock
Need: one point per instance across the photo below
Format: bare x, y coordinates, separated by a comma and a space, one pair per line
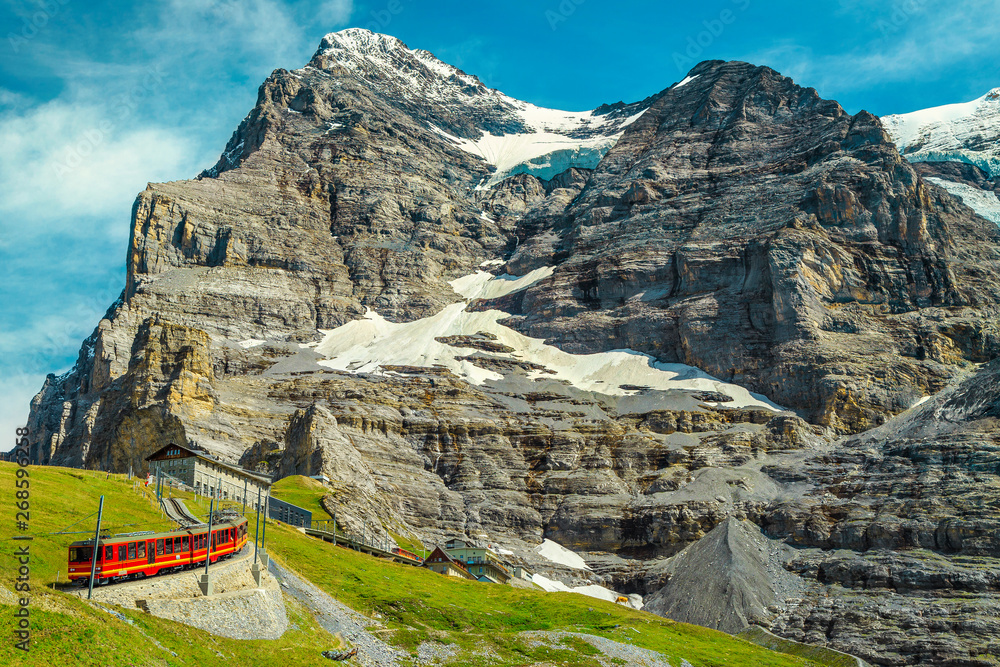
983, 202
557, 553
368, 345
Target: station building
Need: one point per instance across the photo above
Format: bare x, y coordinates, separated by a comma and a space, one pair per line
207, 475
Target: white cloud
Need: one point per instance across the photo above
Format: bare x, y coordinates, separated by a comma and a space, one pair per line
335, 13
63, 162
235, 29
908, 41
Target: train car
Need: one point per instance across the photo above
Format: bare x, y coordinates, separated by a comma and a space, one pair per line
146, 554
407, 554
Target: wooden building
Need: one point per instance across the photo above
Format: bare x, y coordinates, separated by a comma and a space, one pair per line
439, 561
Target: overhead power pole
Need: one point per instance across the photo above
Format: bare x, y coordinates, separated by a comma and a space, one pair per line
255, 568
206, 582
93, 560
256, 533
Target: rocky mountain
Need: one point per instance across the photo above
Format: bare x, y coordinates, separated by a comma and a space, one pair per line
659, 333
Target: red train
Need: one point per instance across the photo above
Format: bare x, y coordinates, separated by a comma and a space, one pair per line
406, 554
128, 556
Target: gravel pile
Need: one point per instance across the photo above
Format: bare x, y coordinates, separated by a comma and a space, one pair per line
338, 618
613, 653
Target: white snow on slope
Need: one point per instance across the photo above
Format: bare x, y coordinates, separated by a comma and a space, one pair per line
686, 81
548, 150
483, 285
363, 346
966, 132
592, 590
982, 202
557, 553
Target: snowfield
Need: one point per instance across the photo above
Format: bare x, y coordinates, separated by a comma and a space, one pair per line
982, 202
369, 344
549, 150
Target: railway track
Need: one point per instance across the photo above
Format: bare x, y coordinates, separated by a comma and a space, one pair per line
178, 512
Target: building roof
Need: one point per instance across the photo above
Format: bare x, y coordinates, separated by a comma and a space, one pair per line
183, 452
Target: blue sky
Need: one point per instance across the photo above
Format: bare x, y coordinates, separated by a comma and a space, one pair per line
99, 98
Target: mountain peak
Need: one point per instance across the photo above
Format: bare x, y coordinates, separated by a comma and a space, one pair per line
366, 53
511, 135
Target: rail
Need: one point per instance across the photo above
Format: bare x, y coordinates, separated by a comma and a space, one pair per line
365, 546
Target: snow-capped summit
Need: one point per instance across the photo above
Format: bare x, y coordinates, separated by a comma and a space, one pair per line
967, 132
512, 135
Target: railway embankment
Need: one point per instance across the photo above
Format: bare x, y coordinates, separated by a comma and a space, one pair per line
239, 608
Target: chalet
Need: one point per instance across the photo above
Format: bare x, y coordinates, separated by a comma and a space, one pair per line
439, 561
208, 475
479, 560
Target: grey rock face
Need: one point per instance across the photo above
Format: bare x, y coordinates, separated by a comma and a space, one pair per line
741, 224
746, 226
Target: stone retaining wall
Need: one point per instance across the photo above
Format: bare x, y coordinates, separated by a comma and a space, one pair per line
239, 608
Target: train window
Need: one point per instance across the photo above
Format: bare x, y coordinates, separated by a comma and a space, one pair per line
185, 543
109, 553
121, 552
159, 547
80, 554
177, 545
168, 546
141, 551
131, 550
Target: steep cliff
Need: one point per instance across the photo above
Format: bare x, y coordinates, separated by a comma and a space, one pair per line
615, 329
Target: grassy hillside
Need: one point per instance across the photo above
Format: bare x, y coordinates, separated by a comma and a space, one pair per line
304, 492
417, 605
66, 630
484, 619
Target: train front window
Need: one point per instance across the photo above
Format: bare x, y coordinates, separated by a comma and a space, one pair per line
80, 554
